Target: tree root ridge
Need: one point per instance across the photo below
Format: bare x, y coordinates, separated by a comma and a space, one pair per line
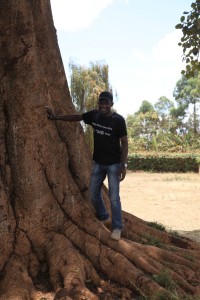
154, 257
89, 264
134, 225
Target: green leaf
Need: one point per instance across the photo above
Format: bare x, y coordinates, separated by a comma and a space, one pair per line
179, 26
195, 51
182, 19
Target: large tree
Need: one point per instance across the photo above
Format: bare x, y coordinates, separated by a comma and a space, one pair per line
52, 246
86, 83
187, 94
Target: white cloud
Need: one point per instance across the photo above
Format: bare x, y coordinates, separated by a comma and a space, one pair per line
167, 62
73, 15
140, 55
165, 51
154, 73
167, 48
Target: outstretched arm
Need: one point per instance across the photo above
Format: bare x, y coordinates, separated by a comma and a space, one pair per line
69, 118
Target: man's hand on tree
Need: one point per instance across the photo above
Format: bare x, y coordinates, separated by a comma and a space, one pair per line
50, 114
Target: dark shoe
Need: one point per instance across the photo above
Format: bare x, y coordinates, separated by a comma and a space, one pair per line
102, 219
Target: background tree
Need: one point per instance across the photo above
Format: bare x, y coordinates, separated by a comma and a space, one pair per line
164, 127
148, 121
187, 95
163, 107
86, 83
145, 107
51, 243
142, 127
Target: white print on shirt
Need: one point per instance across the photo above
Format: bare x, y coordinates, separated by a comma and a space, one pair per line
99, 131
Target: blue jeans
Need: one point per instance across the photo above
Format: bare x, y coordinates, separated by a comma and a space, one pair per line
99, 173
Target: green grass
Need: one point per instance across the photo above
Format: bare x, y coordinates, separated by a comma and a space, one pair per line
157, 225
189, 257
164, 279
152, 241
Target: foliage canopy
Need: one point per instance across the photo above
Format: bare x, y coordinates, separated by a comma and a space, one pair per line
190, 41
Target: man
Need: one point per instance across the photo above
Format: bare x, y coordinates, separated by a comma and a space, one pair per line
109, 155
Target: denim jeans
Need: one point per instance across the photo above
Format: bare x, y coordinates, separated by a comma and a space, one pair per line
99, 173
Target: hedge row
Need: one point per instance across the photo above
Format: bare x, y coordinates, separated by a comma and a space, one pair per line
164, 162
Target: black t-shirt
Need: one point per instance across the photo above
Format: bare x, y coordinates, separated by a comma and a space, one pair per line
107, 133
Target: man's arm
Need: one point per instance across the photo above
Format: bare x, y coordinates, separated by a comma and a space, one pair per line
124, 147
69, 118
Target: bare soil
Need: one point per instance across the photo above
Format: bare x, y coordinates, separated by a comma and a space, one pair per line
170, 199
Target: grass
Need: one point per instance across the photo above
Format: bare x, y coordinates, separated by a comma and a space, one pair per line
152, 240
164, 279
157, 225
189, 257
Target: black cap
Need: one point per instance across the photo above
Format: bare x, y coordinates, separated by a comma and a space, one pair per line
106, 95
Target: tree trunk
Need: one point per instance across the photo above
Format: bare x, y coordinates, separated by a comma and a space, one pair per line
52, 246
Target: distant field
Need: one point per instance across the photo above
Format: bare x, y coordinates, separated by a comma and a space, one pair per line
170, 199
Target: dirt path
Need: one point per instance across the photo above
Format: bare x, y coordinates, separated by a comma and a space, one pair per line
170, 199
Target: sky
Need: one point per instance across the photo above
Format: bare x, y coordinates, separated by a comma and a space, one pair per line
136, 39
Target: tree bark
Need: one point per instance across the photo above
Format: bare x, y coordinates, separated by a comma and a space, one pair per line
52, 246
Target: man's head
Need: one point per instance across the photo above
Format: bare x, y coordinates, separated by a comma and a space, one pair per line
105, 103
106, 96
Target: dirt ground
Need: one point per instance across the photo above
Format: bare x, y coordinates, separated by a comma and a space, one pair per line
170, 199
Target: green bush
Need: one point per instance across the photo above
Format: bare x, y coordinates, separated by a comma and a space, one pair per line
163, 162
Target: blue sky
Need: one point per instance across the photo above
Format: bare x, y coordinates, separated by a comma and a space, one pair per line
136, 39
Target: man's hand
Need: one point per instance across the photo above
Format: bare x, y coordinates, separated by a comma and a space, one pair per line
50, 114
122, 173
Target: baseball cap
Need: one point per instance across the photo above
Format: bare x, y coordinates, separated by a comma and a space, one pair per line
106, 96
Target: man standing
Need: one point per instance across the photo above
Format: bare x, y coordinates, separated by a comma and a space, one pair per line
109, 155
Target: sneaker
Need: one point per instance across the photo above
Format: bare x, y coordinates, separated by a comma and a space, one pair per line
116, 234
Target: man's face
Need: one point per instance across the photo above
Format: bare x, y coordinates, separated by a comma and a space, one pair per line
105, 107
